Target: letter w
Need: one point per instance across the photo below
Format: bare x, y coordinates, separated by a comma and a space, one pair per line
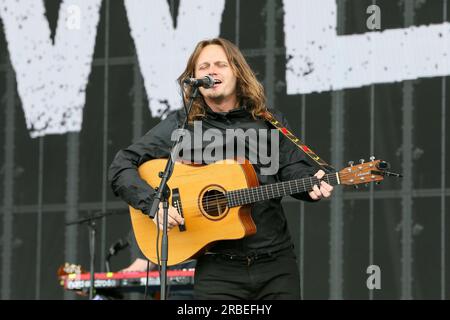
51, 78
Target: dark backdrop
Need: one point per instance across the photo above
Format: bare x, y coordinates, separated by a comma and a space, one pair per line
399, 226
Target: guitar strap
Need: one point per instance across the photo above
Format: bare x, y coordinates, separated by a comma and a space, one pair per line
316, 159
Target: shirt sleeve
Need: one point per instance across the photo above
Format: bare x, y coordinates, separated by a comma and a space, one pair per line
123, 175
293, 162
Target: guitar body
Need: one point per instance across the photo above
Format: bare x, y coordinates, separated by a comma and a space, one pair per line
200, 190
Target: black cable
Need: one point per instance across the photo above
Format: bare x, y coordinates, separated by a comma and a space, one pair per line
157, 245
146, 280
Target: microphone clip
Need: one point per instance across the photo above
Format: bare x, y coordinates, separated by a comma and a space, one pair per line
206, 82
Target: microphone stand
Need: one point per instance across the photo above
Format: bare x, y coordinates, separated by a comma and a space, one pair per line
163, 193
90, 221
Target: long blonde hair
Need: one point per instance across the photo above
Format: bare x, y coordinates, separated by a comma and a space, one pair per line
249, 90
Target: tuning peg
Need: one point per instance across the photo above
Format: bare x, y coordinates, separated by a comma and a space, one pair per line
372, 158
350, 163
361, 161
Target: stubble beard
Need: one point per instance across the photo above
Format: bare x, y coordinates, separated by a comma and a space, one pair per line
216, 97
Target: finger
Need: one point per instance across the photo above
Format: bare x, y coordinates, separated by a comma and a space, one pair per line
326, 186
176, 216
325, 193
317, 191
173, 213
319, 174
313, 195
170, 222
169, 227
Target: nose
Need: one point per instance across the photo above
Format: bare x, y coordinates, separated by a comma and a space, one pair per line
212, 71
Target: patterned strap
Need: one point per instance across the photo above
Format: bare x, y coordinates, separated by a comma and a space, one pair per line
277, 124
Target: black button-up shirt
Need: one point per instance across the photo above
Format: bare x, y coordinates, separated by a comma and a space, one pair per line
272, 230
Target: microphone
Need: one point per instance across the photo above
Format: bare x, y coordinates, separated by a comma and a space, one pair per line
116, 247
206, 82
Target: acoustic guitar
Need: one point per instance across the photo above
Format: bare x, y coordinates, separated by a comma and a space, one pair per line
215, 201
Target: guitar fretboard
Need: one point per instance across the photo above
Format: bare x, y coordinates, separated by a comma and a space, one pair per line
242, 197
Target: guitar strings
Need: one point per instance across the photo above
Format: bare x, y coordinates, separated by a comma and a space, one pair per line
223, 200
259, 190
285, 187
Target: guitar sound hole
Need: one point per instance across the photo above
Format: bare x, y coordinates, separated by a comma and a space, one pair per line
214, 203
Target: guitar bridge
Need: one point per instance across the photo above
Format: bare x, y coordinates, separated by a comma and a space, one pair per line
176, 202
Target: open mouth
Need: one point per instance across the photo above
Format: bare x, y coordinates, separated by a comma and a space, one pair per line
217, 82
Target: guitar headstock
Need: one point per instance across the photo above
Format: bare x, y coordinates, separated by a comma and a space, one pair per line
365, 172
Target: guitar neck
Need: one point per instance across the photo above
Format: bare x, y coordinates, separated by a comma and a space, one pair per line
242, 197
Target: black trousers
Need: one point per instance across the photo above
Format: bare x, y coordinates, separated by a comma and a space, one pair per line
226, 277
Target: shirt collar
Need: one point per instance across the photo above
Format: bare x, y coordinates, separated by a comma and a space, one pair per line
237, 112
